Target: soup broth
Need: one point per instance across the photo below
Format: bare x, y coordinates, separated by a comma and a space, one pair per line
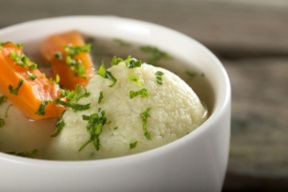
29, 138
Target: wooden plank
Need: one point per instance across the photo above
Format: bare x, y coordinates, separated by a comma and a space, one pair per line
259, 124
258, 154
243, 27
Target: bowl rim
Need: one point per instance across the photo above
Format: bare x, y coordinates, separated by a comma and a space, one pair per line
204, 127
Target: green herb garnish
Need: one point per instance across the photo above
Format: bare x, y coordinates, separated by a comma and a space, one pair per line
159, 75
31, 76
193, 74
2, 122
142, 93
133, 144
41, 108
22, 60
136, 80
75, 64
15, 90
121, 42
75, 95
106, 74
75, 50
132, 62
144, 117
100, 97
7, 110
155, 54
3, 99
96, 121
30, 154
60, 124
74, 106
116, 60
80, 92
58, 55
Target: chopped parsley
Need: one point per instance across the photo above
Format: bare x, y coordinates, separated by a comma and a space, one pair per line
121, 42
60, 124
31, 76
2, 122
129, 61
75, 64
136, 80
58, 55
3, 99
106, 74
142, 93
159, 75
100, 97
15, 90
75, 95
30, 154
7, 110
154, 53
96, 121
132, 62
74, 106
116, 60
41, 108
75, 50
80, 92
72, 97
193, 74
22, 60
144, 118
133, 144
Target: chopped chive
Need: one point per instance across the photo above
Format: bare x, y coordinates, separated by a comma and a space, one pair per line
136, 80
106, 74
159, 75
30, 154
121, 42
22, 60
74, 106
76, 65
3, 99
116, 60
144, 117
60, 124
15, 90
58, 55
100, 97
132, 62
154, 54
42, 106
7, 110
142, 93
96, 121
31, 76
133, 144
2, 122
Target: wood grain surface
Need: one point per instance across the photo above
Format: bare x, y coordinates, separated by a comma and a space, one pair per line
252, 41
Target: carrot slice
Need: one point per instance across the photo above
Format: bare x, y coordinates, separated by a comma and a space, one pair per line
69, 57
25, 86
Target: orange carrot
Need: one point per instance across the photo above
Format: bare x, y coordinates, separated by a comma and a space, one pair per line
25, 86
69, 57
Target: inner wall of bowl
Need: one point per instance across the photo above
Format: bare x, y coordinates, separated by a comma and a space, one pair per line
190, 51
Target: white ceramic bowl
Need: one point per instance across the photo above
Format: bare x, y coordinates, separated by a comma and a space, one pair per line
196, 162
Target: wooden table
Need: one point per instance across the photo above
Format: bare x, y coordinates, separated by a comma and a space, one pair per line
252, 41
